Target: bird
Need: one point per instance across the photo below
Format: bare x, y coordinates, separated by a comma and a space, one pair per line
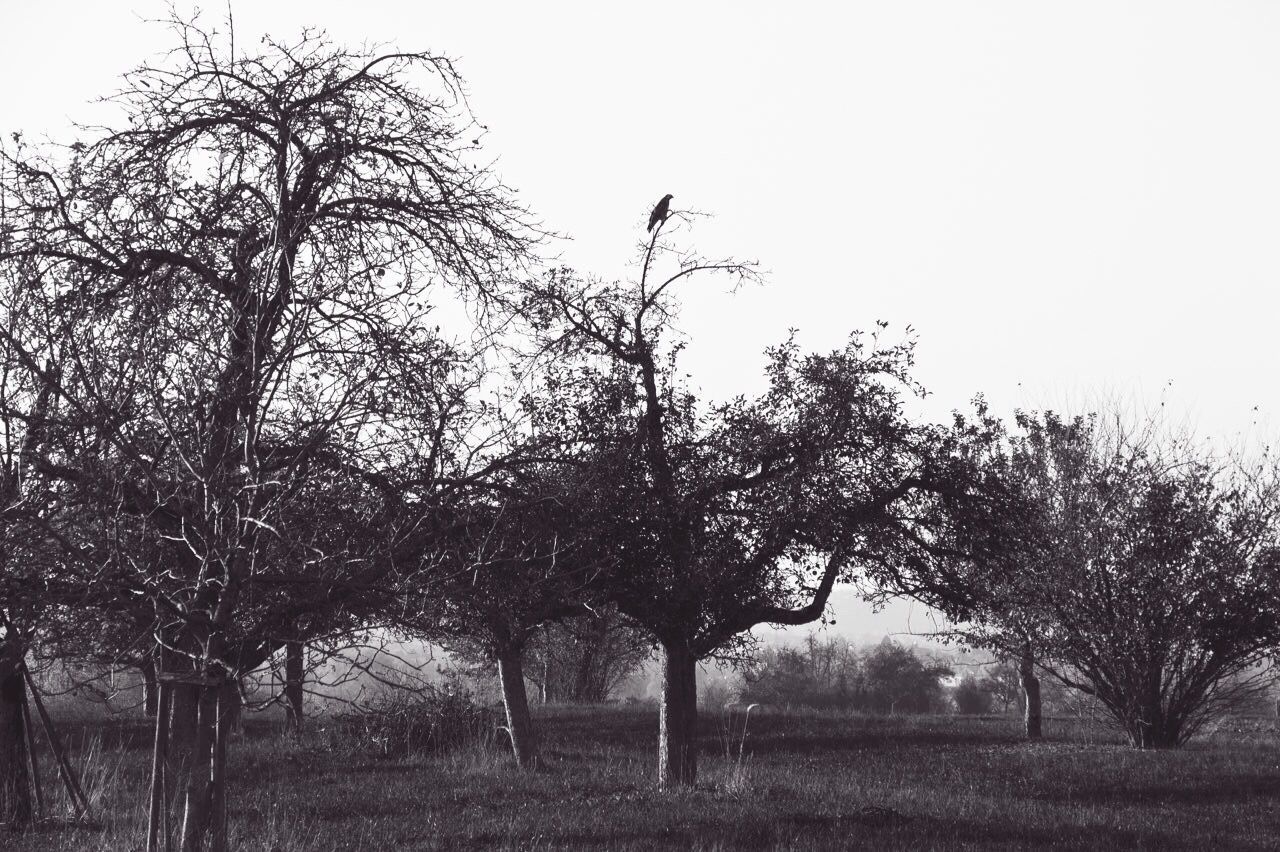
660, 212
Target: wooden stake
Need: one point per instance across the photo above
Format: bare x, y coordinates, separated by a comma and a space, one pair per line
33, 760
158, 812
55, 745
218, 833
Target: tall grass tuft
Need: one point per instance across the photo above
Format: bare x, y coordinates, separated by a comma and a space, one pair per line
738, 772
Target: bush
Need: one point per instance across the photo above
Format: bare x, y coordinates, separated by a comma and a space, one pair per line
972, 696
429, 720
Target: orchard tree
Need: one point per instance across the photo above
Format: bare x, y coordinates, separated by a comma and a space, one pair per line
1159, 590
508, 551
508, 567
234, 282
1147, 578
746, 512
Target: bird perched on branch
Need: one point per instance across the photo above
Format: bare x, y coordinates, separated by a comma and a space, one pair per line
660, 212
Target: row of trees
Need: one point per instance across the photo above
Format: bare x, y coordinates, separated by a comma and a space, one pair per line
277, 368
234, 426
832, 674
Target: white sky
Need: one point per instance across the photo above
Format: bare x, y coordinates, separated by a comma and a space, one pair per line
1063, 199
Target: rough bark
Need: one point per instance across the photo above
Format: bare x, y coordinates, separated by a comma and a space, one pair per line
15, 780
524, 741
1030, 695
230, 707
184, 704
678, 717
200, 785
293, 681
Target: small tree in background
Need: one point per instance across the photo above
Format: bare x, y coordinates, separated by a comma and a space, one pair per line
896, 680
973, 696
1143, 572
582, 660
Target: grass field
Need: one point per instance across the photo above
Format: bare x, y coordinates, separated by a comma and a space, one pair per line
804, 781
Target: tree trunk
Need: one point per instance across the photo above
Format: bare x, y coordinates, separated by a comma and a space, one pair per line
15, 780
150, 690
184, 709
524, 741
1030, 695
198, 816
293, 679
678, 717
1151, 728
230, 707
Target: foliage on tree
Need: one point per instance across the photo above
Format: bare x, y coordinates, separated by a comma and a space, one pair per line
744, 512
1147, 578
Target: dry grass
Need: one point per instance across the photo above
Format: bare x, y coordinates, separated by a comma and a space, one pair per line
802, 781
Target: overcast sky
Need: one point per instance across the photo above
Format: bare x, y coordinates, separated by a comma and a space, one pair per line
1063, 199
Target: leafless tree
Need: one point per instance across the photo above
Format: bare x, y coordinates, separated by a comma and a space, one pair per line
233, 289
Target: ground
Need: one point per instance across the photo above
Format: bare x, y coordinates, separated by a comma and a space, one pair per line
800, 781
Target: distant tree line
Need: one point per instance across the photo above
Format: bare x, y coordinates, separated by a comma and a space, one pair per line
831, 674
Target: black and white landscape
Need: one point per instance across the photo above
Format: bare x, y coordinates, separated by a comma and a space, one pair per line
670, 426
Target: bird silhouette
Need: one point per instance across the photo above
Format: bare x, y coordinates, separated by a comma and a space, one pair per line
660, 212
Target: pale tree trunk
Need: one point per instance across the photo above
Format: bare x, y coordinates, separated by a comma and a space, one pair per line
1030, 695
150, 689
15, 780
158, 812
228, 718
678, 717
293, 681
524, 740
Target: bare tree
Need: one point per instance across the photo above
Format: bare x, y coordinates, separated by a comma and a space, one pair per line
235, 291
583, 659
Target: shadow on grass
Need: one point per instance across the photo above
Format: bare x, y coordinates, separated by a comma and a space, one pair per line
1227, 790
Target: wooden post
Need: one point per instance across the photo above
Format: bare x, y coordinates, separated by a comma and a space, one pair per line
157, 817
78, 797
218, 817
33, 760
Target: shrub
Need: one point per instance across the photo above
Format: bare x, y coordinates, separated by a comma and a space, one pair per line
972, 696
429, 720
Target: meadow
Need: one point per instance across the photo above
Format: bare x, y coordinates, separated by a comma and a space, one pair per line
799, 780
